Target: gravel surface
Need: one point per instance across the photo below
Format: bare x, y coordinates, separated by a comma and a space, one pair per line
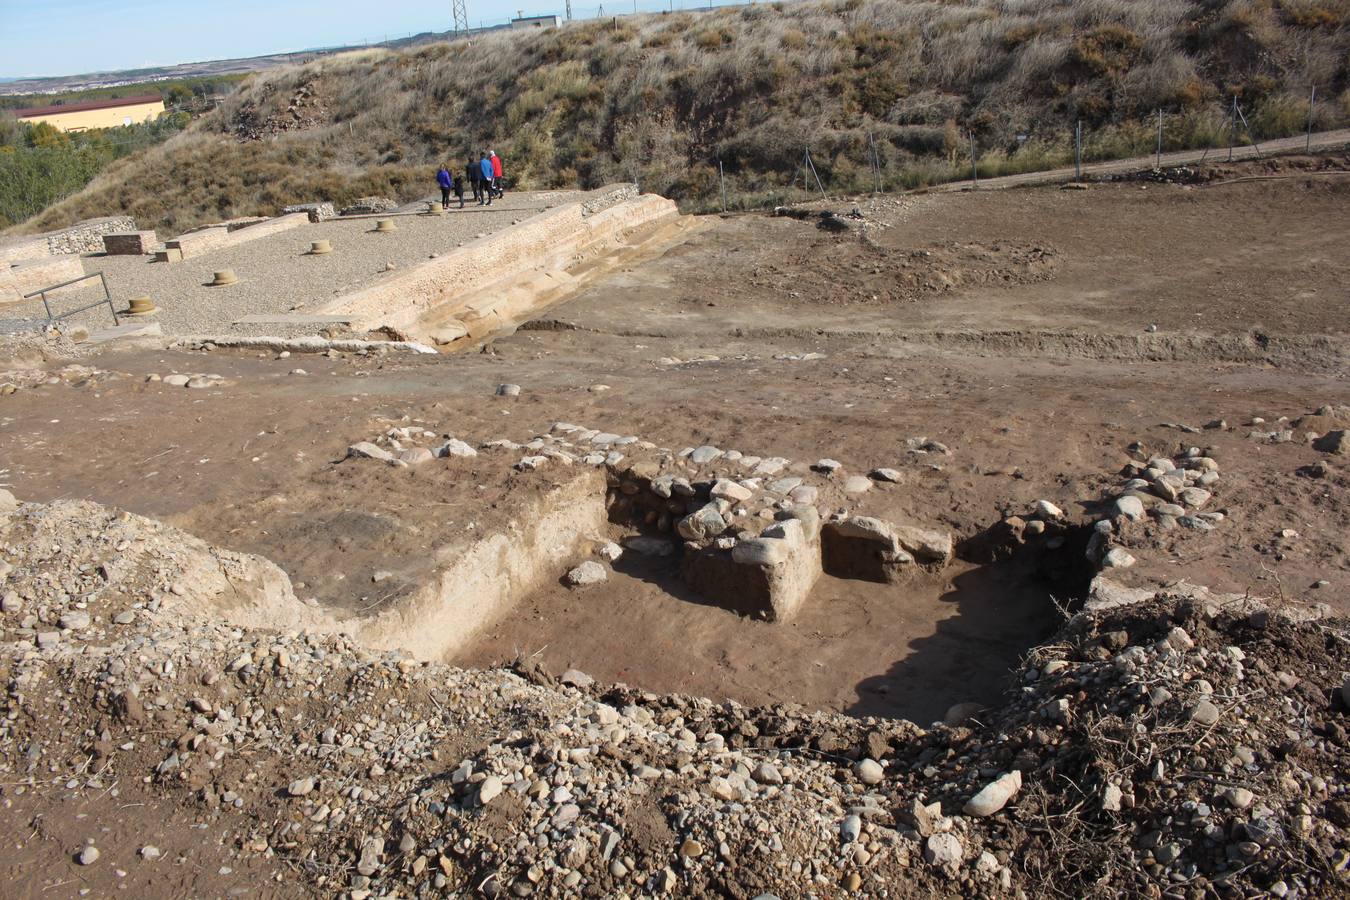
275, 274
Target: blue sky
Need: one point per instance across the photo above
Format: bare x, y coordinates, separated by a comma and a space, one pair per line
68, 37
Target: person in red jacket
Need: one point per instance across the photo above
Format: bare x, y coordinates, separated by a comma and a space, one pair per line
498, 186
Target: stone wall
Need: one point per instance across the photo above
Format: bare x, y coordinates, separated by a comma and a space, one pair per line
83, 237
317, 212
197, 243
129, 243
545, 243
87, 236
34, 274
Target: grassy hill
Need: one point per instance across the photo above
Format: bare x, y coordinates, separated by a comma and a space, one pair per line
662, 97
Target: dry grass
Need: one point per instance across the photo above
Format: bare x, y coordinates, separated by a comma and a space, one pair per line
661, 97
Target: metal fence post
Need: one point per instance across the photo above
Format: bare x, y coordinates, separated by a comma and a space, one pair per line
1158, 163
721, 176
1078, 150
974, 167
1312, 98
1232, 128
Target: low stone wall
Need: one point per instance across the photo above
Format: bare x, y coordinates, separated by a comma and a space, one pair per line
543, 244
82, 237
196, 243
129, 243
35, 274
317, 212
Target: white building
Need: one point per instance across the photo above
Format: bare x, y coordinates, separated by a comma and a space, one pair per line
536, 22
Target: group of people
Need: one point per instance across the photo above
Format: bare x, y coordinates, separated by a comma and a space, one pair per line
484, 177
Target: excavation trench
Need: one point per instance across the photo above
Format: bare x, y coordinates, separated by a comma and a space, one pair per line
906, 642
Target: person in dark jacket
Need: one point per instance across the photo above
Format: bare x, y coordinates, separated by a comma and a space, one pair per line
446, 182
459, 189
485, 166
475, 176
497, 184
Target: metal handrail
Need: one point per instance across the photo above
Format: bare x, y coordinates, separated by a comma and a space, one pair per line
107, 298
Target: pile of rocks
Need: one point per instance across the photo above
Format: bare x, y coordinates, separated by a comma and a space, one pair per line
1172, 747
368, 206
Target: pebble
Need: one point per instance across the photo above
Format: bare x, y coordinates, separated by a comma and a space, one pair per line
489, 790
508, 390
943, 850
994, 795
851, 828
869, 771
892, 476
88, 855
301, 786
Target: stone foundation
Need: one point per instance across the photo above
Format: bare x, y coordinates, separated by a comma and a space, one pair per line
196, 243
36, 274
456, 291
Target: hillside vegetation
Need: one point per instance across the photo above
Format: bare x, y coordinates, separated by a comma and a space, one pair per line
660, 98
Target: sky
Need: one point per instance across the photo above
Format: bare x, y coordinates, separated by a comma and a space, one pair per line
70, 37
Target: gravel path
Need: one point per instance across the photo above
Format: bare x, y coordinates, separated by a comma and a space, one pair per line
275, 274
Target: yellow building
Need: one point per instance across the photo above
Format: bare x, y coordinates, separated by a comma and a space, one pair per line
88, 114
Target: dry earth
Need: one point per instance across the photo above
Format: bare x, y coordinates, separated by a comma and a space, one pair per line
1043, 337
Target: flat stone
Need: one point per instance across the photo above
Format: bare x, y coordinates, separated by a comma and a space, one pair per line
508, 390
704, 455
1117, 558
455, 447
857, 484
301, 786
177, 380
1195, 497
828, 466
367, 450
589, 572
726, 489
893, 476
783, 485
761, 552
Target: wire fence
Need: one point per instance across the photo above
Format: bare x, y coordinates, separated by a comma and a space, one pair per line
867, 163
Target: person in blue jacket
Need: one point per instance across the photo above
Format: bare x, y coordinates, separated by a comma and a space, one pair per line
485, 166
446, 182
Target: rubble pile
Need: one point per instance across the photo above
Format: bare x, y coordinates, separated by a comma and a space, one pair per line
1184, 746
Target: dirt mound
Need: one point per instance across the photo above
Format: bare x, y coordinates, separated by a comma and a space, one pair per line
1177, 746
829, 271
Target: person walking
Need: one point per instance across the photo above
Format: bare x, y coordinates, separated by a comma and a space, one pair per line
498, 185
446, 182
459, 188
475, 176
485, 167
